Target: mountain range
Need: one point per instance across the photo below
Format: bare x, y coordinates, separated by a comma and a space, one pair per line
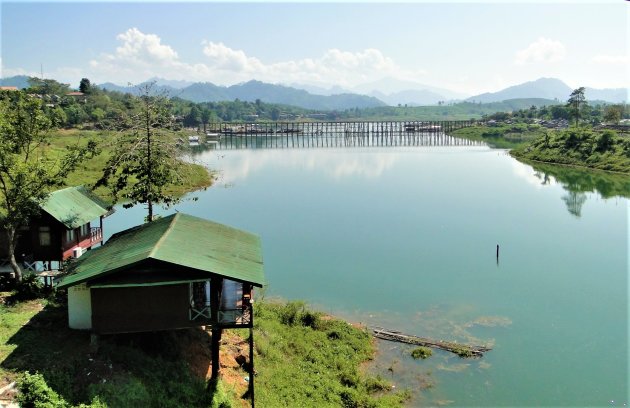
388, 91
252, 90
550, 88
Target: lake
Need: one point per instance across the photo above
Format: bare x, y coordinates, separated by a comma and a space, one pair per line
406, 237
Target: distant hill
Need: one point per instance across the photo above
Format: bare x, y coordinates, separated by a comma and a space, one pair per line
550, 88
547, 88
270, 93
21, 81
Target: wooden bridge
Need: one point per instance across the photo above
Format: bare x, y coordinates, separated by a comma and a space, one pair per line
227, 136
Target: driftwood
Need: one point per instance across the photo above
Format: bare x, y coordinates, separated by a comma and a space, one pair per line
462, 350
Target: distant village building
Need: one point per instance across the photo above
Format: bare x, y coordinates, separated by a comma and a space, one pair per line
9, 88
78, 96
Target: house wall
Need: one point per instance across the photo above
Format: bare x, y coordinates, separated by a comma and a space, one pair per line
79, 307
140, 308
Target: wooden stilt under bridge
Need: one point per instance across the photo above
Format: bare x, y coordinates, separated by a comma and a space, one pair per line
462, 350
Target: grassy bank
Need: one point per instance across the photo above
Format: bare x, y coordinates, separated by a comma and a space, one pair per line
196, 175
505, 136
602, 150
302, 358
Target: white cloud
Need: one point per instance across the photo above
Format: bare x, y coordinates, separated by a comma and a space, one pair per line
141, 56
611, 59
541, 50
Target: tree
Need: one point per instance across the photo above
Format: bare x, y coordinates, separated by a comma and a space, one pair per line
612, 113
577, 104
193, 118
144, 159
28, 171
205, 118
85, 86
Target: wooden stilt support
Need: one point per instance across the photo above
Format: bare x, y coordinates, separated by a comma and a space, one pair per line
251, 361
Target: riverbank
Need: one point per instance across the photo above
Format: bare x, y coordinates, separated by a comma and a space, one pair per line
302, 358
599, 150
504, 136
196, 176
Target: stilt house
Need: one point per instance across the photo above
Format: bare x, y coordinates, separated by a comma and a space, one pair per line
63, 228
177, 272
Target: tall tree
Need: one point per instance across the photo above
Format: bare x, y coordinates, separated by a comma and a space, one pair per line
577, 104
205, 118
145, 160
28, 170
85, 86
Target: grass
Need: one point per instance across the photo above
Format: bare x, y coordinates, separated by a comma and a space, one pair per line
303, 358
196, 177
307, 359
503, 136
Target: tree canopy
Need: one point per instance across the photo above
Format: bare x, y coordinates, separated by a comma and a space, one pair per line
145, 158
27, 171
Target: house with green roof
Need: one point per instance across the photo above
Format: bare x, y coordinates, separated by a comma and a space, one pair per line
177, 272
63, 229
163, 275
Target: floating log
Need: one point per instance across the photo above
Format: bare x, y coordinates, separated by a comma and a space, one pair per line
462, 350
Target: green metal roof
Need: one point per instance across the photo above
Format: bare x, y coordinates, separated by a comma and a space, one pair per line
74, 206
177, 241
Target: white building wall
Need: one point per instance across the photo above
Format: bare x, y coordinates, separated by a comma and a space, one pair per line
79, 307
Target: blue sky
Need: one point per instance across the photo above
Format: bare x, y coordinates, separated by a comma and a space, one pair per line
463, 46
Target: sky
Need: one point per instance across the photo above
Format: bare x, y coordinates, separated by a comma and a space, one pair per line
462, 46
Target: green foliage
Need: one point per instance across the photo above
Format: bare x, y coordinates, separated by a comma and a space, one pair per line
27, 171
28, 288
305, 364
219, 398
35, 393
421, 352
577, 104
502, 136
603, 150
145, 160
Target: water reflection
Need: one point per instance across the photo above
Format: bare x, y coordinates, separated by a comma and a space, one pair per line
578, 182
336, 165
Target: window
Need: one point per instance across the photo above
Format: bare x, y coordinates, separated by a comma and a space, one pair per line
85, 230
70, 236
44, 236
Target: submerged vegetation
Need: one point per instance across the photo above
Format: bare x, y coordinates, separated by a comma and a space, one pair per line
421, 353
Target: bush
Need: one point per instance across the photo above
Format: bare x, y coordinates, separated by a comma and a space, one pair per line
421, 352
29, 288
218, 397
35, 393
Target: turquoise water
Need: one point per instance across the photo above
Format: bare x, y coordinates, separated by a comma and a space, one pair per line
406, 238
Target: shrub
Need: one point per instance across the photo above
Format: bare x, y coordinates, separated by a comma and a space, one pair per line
218, 397
29, 288
421, 352
35, 393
